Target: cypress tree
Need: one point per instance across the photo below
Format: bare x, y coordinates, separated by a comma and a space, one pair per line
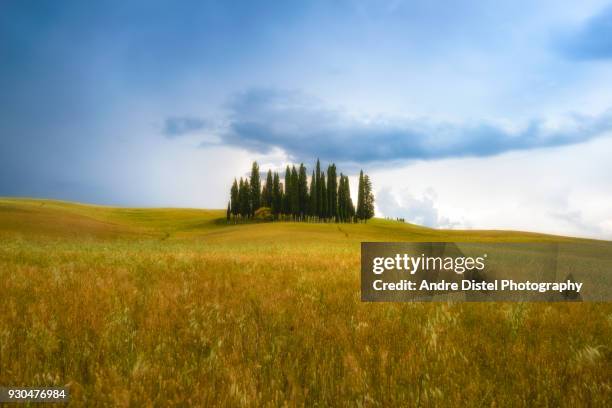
240, 194
277, 196
235, 206
368, 198
345, 204
255, 188
283, 198
245, 202
266, 194
241, 200
312, 210
323, 196
318, 188
248, 205
287, 195
332, 192
341, 199
360, 198
228, 215
350, 207
347, 199
295, 193
303, 191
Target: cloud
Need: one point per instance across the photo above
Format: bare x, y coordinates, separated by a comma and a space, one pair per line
564, 191
591, 41
304, 127
179, 126
417, 210
573, 216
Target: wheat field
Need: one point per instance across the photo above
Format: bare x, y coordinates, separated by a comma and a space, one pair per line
174, 307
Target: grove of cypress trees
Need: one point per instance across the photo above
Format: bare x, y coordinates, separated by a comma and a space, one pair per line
324, 198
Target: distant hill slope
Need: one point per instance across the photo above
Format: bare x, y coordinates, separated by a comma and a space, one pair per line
57, 219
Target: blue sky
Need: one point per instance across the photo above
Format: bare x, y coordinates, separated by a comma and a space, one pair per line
164, 102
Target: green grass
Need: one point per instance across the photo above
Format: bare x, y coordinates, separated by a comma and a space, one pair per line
175, 307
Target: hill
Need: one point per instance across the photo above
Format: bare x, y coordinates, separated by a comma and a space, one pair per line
174, 307
51, 218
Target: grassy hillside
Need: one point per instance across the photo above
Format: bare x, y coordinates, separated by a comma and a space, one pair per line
58, 219
174, 307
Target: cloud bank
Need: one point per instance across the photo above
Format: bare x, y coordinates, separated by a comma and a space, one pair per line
261, 120
417, 210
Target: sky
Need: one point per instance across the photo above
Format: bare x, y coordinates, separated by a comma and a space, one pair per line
466, 114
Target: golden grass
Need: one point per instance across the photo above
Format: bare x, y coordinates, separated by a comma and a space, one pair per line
167, 307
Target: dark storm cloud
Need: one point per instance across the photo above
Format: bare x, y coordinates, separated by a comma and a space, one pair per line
263, 119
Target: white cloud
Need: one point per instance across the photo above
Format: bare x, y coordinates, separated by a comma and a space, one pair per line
420, 210
563, 190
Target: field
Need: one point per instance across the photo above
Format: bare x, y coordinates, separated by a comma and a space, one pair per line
163, 307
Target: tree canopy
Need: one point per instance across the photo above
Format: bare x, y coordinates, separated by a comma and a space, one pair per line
325, 197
